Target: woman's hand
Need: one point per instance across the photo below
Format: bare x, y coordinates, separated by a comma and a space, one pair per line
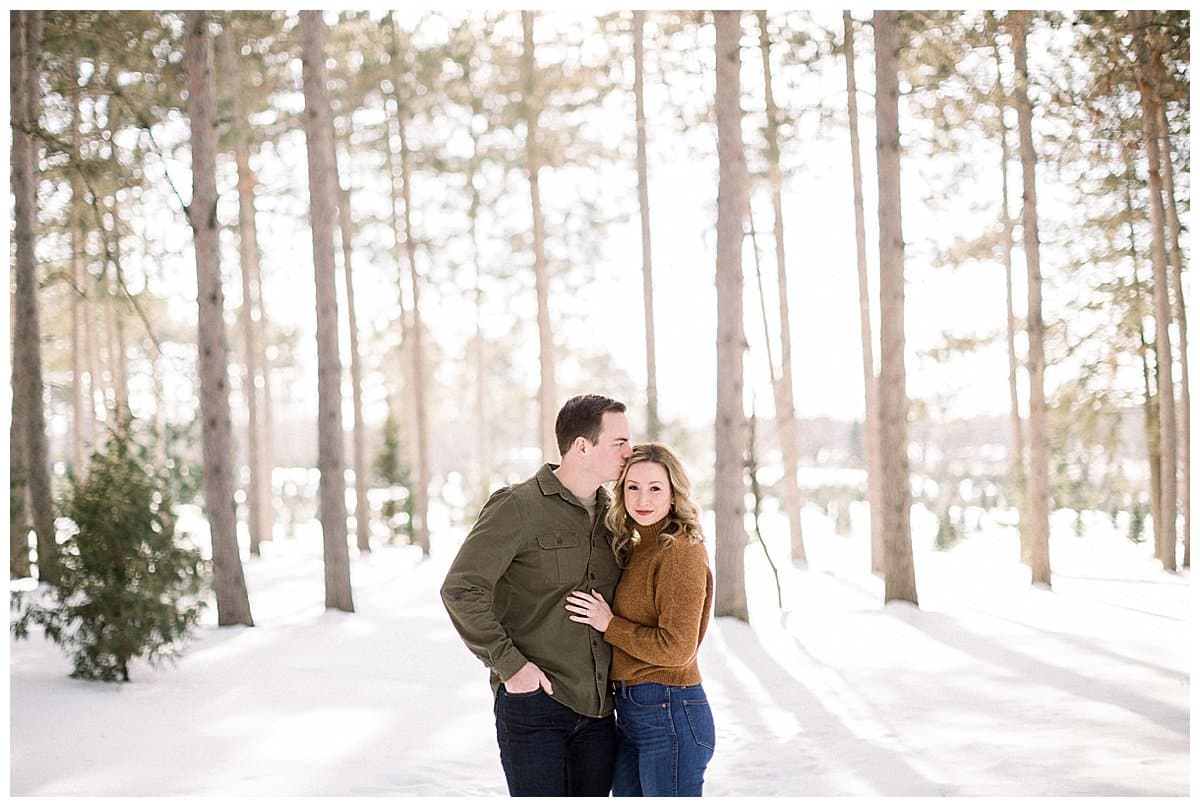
591, 609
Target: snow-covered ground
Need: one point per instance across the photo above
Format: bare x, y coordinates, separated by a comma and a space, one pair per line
989, 688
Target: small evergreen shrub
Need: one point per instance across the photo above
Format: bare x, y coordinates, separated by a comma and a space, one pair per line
947, 533
1137, 520
389, 468
127, 590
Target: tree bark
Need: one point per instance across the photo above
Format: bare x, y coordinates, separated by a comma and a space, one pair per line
322, 189
483, 434
233, 604
1185, 385
20, 509
730, 483
25, 83
1039, 462
1019, 479
899, 575
1165, 533
407, 395
639, 73
870, 380
420, 492
91, 335
258, 496
119, 301
547, 395
785, 409
1150, 402
362, 508
81, 418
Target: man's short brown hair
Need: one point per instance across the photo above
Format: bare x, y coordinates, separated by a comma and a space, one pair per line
582, 416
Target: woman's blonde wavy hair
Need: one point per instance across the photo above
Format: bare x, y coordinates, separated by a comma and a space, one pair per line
683, 519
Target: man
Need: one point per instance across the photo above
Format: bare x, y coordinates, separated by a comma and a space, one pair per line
534, 543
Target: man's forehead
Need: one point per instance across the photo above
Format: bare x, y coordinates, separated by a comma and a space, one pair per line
614, 425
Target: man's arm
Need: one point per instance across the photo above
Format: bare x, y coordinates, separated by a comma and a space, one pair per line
470, 584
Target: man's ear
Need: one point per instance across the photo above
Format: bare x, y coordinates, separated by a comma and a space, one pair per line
581, 443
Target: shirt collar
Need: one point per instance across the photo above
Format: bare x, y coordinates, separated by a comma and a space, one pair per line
550, 486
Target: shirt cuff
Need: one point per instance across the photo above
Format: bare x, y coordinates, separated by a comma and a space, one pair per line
509, 663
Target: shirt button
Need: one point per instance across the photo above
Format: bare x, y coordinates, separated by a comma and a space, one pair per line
558, 541
592, 575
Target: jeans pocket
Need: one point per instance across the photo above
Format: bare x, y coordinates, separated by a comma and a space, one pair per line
700, 718
650, 696
520, 695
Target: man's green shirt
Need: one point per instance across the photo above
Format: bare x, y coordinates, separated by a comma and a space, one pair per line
506, 590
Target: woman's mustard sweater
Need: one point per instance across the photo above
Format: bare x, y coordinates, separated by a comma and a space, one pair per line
660, 611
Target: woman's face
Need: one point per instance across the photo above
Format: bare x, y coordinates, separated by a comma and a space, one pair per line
647, 493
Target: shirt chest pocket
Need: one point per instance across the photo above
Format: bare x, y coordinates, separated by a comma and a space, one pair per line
562, 558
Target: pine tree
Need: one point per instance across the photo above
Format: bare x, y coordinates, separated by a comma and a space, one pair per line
126, 588
729, 500
899, 575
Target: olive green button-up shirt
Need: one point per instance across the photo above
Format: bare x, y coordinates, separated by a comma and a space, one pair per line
506, 590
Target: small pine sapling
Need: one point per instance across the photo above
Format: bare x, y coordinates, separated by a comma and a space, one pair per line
128, 590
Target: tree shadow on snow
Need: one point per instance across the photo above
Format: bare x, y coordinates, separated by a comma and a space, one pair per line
825, 749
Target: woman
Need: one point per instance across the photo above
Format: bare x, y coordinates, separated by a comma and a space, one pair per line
658, 617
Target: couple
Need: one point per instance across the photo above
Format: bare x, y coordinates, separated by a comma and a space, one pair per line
530, 594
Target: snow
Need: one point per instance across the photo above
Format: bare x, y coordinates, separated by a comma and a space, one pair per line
991, 687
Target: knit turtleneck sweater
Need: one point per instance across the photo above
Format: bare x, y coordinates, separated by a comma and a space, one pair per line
660, 611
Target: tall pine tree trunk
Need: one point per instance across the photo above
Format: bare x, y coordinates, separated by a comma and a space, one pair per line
258, 497
732, 194
1165, 534
1006, 246
420, 490
112, 392
639, 73
26, 38
233, 604
407, 394
899, 575
362, 508
417, 354
1185, 392
483, 434
24, 196
547, 395
1039, 452
120, 301
1149, 401
81, 417
870, 381
322, 190
91, 337
785, 410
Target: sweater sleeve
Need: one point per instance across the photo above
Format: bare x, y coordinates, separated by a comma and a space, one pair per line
469, 588
680, 582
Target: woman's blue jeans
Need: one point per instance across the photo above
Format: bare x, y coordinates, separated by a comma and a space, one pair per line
665, 739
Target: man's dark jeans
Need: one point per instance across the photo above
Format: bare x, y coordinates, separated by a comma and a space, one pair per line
549, 750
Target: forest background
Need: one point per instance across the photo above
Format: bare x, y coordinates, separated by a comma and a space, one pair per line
671, 208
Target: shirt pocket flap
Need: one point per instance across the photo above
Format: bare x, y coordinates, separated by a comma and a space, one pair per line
557, 541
